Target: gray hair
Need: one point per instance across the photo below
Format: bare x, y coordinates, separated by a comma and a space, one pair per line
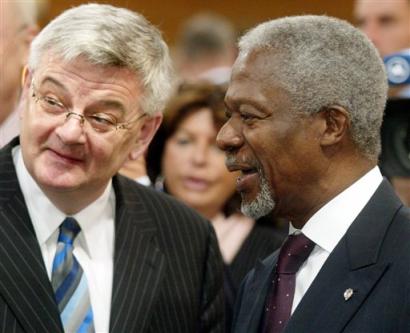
110, 36
326, 61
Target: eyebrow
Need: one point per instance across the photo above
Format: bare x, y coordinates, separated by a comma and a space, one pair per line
52, 80
109, 104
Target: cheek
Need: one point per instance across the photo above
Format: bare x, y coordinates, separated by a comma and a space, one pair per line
227, 185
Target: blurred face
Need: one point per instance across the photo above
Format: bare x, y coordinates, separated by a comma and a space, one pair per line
275, 150
194, 167
385, 22
68, 155
13, 53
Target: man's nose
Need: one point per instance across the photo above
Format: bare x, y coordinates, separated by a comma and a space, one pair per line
229, 138
72, 129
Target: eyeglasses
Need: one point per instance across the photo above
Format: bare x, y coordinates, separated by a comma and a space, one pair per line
100, 122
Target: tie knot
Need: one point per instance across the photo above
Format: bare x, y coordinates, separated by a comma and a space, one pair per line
293, 253
69, 230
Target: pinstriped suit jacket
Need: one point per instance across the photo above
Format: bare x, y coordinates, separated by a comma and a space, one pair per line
167, 266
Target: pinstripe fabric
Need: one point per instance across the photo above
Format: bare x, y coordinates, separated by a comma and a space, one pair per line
167, 266
26, 297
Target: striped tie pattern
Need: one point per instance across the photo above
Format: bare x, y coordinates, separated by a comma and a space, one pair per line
70, 284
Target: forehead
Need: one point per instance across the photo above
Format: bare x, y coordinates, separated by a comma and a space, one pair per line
200, 118
82, 76
256, 78
377, 8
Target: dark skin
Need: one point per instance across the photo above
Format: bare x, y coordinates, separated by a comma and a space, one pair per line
306, 159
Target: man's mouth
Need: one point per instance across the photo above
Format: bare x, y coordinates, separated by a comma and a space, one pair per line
66, 157
247, 178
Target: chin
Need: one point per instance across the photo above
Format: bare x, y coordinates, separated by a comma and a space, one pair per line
261, 205
60, 182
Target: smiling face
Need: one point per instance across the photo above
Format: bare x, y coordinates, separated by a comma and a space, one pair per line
66, 156
276, 149
193, 166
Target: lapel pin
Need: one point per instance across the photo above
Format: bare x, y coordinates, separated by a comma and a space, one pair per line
348, 293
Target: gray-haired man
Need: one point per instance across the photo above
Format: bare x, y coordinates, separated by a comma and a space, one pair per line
83, 249
305, 104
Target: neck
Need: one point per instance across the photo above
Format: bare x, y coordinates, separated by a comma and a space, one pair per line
208, 212
338, 177
72, 202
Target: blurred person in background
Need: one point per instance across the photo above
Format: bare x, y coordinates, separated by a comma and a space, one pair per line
18, 26
387, 24
135, 168
185, 162
206, 48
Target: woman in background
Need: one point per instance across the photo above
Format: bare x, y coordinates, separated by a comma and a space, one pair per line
184, 160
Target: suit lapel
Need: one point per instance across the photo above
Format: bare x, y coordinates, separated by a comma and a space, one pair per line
352, 265
252, 306
24, 284
138, 262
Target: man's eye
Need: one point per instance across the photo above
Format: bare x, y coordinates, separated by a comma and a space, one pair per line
247, 117
51, 104
51, 101
103, 120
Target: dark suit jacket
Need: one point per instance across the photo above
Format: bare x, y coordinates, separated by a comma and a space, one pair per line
373, 258
167, 266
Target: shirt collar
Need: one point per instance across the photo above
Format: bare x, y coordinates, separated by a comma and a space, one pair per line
329, 224
46, 217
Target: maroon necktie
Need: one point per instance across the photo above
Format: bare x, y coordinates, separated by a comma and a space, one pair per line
279, 302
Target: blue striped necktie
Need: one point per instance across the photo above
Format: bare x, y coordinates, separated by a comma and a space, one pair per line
70, 284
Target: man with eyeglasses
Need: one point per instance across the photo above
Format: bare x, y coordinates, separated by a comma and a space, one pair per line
83, 249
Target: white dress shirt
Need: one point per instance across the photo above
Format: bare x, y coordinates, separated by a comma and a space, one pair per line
329, 224
93, 247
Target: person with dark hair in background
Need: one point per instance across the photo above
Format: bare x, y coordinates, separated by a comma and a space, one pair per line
82, 248
305, 105
185, 162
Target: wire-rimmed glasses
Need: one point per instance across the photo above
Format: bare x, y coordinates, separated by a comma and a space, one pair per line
100, 122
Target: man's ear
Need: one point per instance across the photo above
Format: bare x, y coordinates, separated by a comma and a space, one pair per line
337, 123
147, 131
26, 78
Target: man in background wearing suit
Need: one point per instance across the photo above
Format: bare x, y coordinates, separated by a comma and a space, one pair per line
83, 249
305, 104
